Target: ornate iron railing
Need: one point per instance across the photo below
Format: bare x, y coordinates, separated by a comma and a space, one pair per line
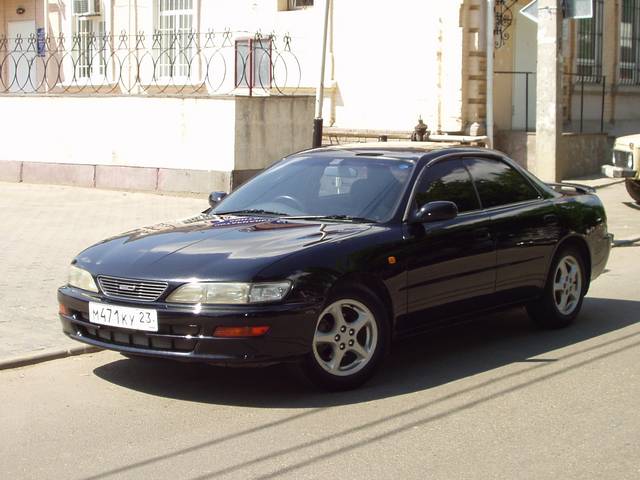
178, 63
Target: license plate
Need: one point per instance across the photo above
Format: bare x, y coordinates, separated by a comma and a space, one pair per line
123, 317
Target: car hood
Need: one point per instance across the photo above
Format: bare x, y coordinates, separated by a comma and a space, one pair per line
207, 247
627, 141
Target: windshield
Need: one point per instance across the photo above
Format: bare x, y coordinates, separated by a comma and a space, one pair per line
324, 186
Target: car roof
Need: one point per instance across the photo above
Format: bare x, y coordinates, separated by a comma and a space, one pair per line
398, 150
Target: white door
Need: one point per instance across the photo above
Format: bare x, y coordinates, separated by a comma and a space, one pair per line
22, 66
525, 60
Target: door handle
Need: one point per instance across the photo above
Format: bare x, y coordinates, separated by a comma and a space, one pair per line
550, 219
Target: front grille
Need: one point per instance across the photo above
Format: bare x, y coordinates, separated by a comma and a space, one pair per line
623, 159
178, 337
128, 289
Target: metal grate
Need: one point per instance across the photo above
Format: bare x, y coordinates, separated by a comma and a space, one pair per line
589, 42
628, 68
129, 289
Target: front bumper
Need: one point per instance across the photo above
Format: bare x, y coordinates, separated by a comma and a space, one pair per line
186, 334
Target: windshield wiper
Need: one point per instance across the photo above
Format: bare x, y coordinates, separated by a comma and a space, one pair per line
250, 211
347, 218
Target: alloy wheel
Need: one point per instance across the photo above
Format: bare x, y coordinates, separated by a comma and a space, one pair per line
567, 285
346, 337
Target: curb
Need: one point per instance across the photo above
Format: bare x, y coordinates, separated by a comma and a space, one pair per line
45, 355
613, 182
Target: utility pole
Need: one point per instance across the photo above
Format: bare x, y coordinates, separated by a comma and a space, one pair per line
317, 121
549, 89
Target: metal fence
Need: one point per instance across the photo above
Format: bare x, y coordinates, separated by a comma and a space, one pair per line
579, 84
177, 63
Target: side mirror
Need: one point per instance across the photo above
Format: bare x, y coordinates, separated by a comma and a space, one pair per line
216, 197
435, 211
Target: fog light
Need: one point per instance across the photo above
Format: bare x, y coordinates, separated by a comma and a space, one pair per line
230, 332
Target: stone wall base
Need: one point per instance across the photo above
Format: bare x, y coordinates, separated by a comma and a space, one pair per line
123, 177
579, 154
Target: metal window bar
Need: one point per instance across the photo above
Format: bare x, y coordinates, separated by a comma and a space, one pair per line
580, 80
575, 78
528, 79
295, 4
589, 45
629, 66
254, 63
175, 25
90, 51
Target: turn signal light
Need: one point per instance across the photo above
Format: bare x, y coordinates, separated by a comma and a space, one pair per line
230, 332
64, 310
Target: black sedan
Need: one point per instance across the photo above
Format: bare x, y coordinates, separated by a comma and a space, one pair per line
330, 254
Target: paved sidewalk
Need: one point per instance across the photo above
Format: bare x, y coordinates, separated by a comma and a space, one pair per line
43, 228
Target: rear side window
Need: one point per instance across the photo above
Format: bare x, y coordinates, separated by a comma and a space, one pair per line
499, 183
447, 180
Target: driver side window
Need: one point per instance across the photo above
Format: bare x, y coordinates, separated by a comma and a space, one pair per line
447, 180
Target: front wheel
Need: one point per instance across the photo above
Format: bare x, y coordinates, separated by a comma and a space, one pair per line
348, 342
563, 294
633, 187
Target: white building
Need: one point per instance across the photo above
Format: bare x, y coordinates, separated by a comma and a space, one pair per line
198, 94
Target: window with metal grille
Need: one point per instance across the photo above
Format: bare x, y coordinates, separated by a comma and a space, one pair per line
90, 57
253, 63
296, 4
87, 7
589, 45
176, 43
628, 68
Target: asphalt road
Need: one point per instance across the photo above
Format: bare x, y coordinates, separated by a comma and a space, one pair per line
493, 399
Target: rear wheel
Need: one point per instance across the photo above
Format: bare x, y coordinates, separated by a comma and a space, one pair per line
562, 299
348, 341
633, 187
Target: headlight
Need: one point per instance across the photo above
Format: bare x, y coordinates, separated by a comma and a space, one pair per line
630, 161
230, 293
80, 278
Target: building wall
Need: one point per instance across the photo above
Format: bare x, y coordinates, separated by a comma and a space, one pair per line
385, 68
183, 144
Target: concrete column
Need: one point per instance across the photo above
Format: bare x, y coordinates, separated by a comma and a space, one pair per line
610, 57
474, 67
549, 89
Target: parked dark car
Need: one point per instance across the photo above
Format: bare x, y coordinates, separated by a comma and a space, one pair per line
330, 254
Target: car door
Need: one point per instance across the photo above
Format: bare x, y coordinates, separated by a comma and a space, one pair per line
450, 264
524, 224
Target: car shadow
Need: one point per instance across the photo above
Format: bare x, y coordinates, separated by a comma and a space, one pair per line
416, 364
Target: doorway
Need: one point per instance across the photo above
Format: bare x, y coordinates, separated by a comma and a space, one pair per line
21, 60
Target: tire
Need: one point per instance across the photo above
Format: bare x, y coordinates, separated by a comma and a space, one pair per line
633, 187
566, 285
353, 325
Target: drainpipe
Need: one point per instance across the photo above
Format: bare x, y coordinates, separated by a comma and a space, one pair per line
317, 121
490, 47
